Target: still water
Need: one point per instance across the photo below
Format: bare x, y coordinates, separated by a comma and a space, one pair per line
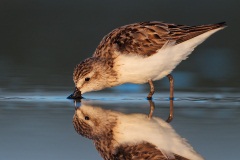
39, 125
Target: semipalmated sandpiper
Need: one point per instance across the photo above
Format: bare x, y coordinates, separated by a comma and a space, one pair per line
139, 53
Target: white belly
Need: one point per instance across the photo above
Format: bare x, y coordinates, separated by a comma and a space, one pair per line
137, 69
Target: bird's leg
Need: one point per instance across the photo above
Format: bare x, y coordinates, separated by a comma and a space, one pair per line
149, 97
170, 78
152, 107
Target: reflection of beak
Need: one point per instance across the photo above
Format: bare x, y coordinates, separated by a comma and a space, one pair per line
75, 95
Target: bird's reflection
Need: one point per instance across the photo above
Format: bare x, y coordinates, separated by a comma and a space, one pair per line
130, 136
77, 103
152, 107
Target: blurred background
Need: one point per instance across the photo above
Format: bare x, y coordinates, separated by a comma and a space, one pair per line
41, 41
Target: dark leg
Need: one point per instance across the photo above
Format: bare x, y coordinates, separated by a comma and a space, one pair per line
149, 97
170, 78
152, 107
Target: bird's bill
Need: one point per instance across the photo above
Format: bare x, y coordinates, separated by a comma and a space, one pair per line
76, 94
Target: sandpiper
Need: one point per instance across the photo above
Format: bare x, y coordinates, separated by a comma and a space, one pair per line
139, 53
119, 136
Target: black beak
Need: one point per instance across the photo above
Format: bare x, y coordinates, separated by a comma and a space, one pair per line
75, 95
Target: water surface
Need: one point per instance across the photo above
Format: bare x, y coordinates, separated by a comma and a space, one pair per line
40, 127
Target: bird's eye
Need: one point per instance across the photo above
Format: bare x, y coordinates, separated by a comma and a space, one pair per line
87, 79
87, 118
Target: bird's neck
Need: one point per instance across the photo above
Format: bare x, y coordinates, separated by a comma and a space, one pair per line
109, 72
105, 144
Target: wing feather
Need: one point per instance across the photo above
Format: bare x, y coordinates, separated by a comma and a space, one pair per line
143, 151
146, 38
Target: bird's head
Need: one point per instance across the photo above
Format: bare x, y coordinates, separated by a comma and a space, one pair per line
94, 122
90, 75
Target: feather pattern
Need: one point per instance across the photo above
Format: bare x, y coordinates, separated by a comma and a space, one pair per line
146, 38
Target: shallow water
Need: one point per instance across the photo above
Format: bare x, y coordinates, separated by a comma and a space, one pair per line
40, 127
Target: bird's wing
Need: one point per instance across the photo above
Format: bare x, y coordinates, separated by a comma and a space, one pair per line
147, 37
142, 151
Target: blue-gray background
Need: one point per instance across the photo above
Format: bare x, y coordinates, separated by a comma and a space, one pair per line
41, 41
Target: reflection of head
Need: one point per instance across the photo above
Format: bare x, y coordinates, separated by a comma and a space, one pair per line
92, 122
116, 134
